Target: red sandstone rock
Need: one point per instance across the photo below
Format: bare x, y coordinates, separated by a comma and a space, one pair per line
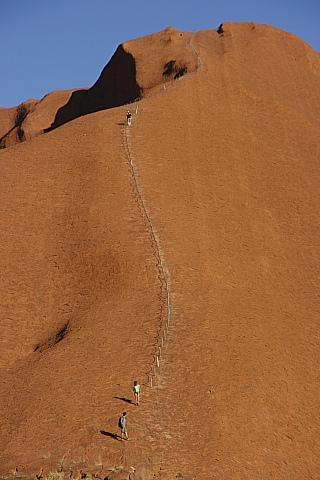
211, 195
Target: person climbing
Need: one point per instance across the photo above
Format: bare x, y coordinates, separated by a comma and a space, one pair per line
136, 391
123, 426
129, 117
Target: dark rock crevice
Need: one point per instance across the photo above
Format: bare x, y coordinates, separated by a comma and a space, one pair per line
20, 116
172, 68
53, 340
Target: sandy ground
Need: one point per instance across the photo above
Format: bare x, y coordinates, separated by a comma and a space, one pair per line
208, 203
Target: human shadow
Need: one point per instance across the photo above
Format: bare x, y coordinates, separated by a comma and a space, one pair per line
109, 434
127, 400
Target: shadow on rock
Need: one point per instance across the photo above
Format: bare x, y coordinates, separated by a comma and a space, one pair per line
109, 434
127, 400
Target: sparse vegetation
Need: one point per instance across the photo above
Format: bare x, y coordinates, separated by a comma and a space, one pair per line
13, 475
55, 476
16, 474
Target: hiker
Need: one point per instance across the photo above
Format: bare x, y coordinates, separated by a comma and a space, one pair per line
129, 116
136, 391
123, 426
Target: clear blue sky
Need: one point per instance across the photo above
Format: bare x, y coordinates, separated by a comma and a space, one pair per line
51, 45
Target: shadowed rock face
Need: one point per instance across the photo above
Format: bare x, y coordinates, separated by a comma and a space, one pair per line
136, 68
116, 86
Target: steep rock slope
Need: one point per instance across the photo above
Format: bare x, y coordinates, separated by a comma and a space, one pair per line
136, 67
239, 176
226, 169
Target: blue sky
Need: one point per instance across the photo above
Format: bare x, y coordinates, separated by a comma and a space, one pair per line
48, 45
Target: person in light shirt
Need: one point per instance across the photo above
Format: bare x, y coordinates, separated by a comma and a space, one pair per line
136, 392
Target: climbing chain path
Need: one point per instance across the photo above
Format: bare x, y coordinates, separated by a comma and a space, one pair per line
153, 429
195, 52
164, 314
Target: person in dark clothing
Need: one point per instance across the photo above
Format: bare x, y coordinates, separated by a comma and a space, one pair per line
129, 117
123, 426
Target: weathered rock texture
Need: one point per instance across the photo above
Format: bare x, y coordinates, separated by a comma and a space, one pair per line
211, 196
